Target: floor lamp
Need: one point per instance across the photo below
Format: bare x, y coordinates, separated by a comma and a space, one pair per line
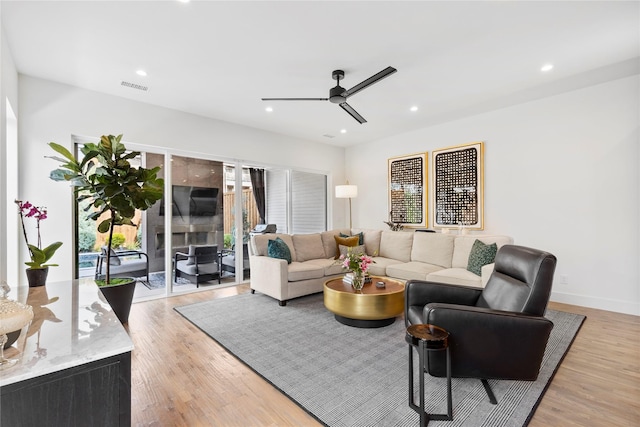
347, 192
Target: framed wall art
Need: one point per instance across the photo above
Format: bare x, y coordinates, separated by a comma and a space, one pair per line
407, 178
458, 186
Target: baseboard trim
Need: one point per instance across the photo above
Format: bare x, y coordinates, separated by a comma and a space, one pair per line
608, 304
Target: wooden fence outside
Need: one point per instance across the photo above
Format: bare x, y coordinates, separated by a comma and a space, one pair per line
248, 205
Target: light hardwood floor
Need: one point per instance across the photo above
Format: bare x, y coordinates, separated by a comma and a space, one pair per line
181, 377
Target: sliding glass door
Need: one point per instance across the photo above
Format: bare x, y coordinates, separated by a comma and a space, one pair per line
197, 236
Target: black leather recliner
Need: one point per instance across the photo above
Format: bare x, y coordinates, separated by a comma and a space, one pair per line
498, 332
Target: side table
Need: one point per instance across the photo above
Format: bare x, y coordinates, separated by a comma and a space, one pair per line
428, 338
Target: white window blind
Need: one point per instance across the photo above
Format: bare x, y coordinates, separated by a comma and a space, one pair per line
308, 202
276, 198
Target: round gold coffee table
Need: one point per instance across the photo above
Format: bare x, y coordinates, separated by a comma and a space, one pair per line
372, 307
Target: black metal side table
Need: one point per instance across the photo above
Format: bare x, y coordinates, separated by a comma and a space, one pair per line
428, 338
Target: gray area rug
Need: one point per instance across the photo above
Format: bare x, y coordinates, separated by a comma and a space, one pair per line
345, 376
157, 280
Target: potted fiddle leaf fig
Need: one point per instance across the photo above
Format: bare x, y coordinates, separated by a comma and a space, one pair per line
105, 177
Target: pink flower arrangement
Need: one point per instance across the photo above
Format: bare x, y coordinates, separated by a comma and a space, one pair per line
358, 263
39, 256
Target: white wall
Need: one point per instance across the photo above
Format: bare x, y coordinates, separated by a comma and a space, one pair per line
8, 93
561, 174
53, 112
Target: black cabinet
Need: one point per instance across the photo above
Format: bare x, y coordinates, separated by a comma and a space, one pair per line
93, 394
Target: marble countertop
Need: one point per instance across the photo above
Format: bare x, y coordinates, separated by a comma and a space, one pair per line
72, 325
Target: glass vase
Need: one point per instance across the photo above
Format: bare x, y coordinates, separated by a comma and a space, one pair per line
358, 280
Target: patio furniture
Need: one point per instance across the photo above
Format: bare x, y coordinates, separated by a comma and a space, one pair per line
201, 264
228, 260
126, 263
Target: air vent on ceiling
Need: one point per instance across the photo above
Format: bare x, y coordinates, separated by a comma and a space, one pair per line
326, 135
134, 86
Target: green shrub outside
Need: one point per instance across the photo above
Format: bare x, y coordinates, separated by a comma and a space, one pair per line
86, 235
117, 240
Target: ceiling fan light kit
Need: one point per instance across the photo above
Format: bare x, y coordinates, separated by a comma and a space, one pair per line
338, 94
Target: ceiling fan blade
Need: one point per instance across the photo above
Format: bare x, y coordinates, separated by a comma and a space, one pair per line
346, 107
368, 82
295, 99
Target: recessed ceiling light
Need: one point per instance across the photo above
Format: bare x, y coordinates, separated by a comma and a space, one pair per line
268, 109
184, 1
142, 73
343, 131
414, 108
546, 67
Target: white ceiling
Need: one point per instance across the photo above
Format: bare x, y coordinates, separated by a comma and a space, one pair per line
217, 59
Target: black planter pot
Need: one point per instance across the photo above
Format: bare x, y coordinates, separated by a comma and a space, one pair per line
37, 276
119, 298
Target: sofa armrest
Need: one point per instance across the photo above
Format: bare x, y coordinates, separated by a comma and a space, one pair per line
485, 273
269, 276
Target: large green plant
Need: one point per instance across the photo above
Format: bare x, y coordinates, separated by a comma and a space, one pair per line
104, 176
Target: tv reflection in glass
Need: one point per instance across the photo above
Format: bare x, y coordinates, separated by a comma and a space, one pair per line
192, 201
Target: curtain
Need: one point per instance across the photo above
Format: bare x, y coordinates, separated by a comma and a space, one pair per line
257, 185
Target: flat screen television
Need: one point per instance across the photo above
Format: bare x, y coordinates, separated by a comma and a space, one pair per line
192, 201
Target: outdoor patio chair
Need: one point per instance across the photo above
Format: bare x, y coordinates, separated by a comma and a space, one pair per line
126, 263
201, 264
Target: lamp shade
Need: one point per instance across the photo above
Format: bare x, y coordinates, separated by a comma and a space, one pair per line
346, 191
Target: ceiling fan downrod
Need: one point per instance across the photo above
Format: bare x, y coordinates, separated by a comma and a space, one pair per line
336, 94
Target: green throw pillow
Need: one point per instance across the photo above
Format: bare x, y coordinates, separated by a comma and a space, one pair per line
360, 237
278, 249
480, 255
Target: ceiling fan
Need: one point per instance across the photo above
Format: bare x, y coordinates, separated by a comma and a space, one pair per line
339, 95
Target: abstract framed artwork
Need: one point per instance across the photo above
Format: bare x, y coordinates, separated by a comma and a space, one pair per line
407, 178
458, 186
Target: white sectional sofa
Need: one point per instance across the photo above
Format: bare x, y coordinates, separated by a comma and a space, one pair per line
402, 255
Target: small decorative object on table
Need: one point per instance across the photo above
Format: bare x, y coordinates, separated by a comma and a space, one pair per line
38, 270
13, 317
394, 226
357, 264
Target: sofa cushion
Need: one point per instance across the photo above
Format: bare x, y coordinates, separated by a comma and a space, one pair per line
455, 276
379, 265
413, 270
127, 267
463, 244
277, 248
308, 246
396, 245
433, 248
344, 250
330, 266
192, 253
359, 235
371, 240
481, 254
260, 241
345, 241
192, 269
304, 270
329, 243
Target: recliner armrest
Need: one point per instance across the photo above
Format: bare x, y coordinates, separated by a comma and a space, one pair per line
419, 293
492, 339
